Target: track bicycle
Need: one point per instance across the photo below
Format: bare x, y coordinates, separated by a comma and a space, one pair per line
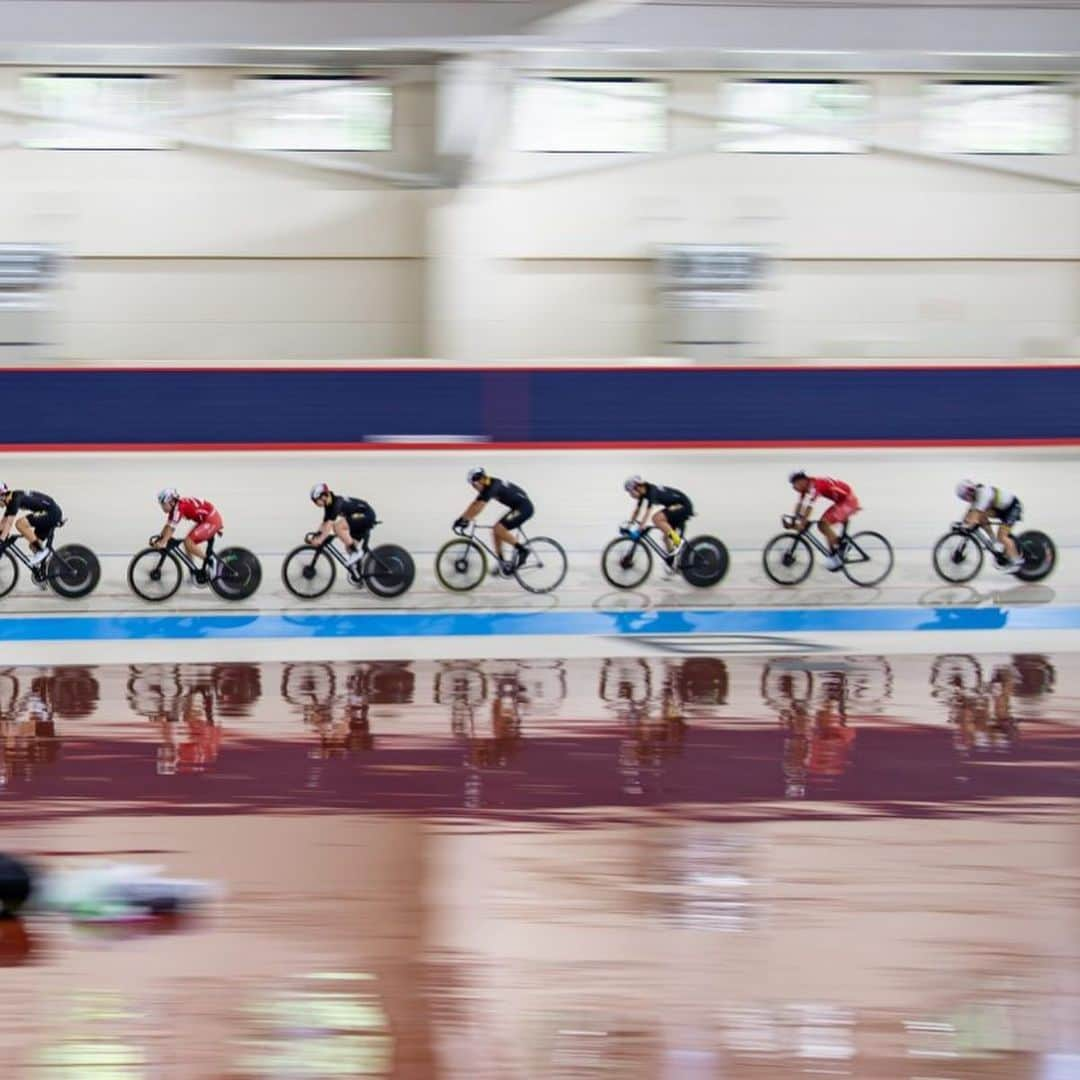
71, 571
310, 570
960, 553
628, 560
155, 573
866, 557
461, 564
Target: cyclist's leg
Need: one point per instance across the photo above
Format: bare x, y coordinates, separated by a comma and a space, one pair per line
1012, 514
195, 541
504, 531
354, 534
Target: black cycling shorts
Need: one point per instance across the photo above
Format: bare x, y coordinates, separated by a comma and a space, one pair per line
1011, 514
44, 523
360, 525
515, 518
678, 514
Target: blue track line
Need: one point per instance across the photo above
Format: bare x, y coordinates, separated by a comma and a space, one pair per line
498, 623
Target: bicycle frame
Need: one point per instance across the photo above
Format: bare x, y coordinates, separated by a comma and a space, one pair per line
844, 545
645, 537
36, 572
175, 546
982, 535
470, 534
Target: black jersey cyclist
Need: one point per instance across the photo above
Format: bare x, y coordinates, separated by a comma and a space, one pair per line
519, 509
41, 517
351, 519
989, 503
675, 511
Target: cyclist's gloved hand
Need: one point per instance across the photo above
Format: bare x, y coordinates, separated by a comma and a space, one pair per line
460, 524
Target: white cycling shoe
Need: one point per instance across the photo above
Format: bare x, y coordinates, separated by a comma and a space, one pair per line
834, 562
38, 557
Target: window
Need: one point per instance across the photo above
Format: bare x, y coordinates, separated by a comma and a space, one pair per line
972, 117
833, 108
304, 113
583, 115
125, 99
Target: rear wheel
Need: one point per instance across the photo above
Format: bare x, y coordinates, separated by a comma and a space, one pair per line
788, 559
626, 563
389, 570
9, 573
73, 571
544, 567
704, 562
308, 572
460, 565
958, 557
155, 575
1040, 555
239, 574
868, 559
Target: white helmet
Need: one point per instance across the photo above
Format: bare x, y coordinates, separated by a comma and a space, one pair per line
476, 473
167, 495
966, 490
4, 489
632, 483
319, 490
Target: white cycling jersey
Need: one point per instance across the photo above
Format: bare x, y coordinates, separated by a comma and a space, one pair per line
990, 499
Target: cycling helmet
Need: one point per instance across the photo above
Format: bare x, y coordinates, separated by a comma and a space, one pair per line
476, 473
632, 483
4, 489
167, 495
798, 474
966, 490
319, 490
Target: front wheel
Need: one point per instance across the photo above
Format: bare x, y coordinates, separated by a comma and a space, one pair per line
958, 557
704, 562
9, 573
544, 567
460, 565
626, 563
239, 574
308, 572
389, 570
1040, 555
73, 571
788, 559
155, 575
868, 559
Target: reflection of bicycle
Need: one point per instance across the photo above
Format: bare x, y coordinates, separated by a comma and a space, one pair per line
462, 564
627, 561
72, 571
866, 557
959, 554
309, 571
155, 573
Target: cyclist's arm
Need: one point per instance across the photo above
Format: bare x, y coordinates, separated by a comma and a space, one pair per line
802, 512
641, 511
474, 509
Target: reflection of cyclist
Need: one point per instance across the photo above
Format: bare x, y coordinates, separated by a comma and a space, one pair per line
206, 518
844, 504
351, 519
42, 515
993, 503
675, 511
519, 509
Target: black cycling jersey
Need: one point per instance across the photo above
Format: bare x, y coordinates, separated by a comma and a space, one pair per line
34, 502
502, 491
344, 506
655, 495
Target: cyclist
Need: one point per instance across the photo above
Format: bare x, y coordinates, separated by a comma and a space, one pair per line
206, 518
675, 511
41, 517
988, 504
351, 519
844, 504
519, 509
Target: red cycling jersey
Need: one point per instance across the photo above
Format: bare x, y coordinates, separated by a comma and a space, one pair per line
826, 487
197, 510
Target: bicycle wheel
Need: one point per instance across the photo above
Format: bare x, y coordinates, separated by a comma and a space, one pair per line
308, 572
460, 565
9, 573
155, 575
868, 559
958, 557
73, 571
788, 559
704, 562
389, 570
626, 563
1040, 555
544, 567
239, 576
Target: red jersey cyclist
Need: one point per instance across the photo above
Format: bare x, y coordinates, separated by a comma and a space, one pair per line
844, 504
206, 518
